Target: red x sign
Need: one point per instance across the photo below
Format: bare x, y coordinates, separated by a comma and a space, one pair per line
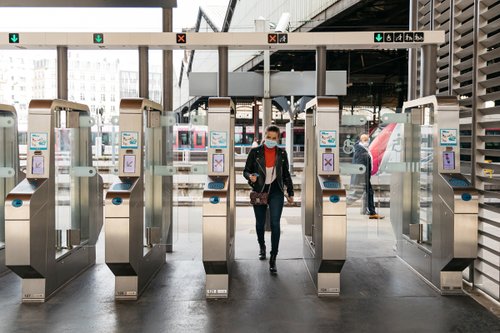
181, 38
272, 38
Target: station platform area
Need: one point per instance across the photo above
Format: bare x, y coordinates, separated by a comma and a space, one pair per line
379, 292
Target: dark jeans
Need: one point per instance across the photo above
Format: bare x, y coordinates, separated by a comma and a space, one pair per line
370, 204
275, 203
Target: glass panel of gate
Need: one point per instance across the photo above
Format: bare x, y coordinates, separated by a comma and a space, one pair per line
64, 183
104, 138
7, 164
352, 126
188, 139
385, 147
105, 148
148, 164
425, 182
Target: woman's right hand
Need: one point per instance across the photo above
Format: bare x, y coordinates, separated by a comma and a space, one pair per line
253, 178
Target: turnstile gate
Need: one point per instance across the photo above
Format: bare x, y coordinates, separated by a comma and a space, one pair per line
219, 198
61, 191
10, 174
435, 218
324, 207
136, 206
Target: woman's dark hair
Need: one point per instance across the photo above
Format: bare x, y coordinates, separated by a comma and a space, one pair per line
273, 128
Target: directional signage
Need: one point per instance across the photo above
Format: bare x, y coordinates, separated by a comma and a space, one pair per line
14, 38
181, 38
418, 37
398, 37
233, 40
283, 38
98, 38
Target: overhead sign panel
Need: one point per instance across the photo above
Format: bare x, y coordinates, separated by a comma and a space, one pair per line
233, 40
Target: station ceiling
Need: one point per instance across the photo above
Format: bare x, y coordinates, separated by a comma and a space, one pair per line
89, 3
374, 76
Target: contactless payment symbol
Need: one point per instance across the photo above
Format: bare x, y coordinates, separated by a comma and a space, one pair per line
39, 141
130, 140
328, 139
448, 137
218, 139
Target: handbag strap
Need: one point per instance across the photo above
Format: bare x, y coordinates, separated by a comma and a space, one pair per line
272, 175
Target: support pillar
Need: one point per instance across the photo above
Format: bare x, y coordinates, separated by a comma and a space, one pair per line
428, 70
321, 71
143, 72
62, 72
223, 72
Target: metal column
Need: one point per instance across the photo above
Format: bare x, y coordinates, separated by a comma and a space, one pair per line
428, 70
143, 72
62, 72
412, 53
321, 71
223, 72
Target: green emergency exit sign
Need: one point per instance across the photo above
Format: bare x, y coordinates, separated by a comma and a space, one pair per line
14, 38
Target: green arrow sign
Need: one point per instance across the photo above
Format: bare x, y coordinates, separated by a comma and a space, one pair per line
98, 38
14, 38
378, 37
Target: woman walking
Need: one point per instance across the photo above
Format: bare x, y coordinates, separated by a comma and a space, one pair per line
266, 170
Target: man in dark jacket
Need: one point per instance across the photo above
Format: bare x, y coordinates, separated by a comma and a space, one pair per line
362, 181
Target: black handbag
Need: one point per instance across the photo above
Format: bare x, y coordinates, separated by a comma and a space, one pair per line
260, 198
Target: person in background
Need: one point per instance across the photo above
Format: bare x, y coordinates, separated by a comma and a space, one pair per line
266, 169
362, 156
255, 143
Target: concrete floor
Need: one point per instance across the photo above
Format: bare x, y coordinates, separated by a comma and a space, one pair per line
379, 293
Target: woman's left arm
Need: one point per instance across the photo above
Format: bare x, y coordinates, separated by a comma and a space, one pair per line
287, 179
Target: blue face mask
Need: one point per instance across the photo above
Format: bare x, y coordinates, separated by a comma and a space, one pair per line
270, 143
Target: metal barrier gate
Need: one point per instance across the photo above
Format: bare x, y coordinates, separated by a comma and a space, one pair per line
136, 203
61, 190
325, 227
436, 216
219, 198
10, 174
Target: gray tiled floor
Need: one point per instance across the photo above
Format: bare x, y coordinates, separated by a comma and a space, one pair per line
379, 293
